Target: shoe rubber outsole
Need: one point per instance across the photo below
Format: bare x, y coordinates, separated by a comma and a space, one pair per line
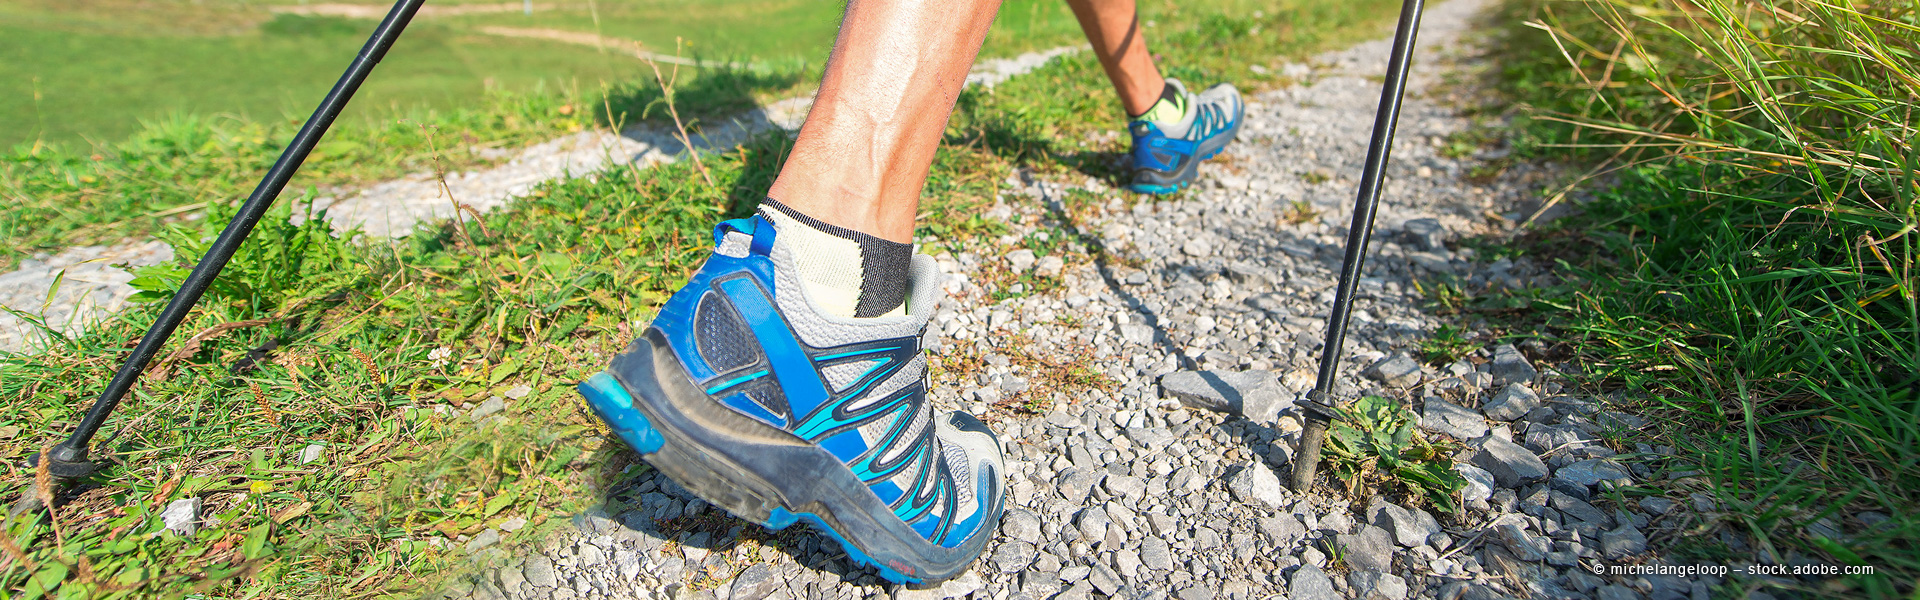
732, 467
603, 391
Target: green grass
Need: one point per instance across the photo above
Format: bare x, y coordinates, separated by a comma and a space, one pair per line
1757, 289
92, 72
359, 347
76, 87
124, 116
63, 196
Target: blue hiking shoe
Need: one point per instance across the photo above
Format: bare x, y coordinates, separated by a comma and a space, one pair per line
1166, 156
750, 396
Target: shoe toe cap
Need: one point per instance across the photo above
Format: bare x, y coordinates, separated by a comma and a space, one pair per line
986, 466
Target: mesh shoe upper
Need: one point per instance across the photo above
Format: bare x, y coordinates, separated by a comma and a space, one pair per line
746, 332
1162, 150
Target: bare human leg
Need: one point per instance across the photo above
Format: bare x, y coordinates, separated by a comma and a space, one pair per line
1173, 129
896, 69
785, 403
1113, 27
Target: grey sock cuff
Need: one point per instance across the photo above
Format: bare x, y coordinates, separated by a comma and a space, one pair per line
884, 264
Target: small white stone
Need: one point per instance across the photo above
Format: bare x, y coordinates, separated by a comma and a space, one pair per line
1197, 248
182, 516
311, 453
1021, 260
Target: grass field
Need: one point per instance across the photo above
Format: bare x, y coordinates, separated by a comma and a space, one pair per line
90, 72
371, 343
76, 84
108, 104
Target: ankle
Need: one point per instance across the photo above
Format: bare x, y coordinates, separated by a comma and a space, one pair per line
845, 272
1170, 107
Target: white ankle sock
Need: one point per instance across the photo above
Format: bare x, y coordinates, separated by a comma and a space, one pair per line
848, 273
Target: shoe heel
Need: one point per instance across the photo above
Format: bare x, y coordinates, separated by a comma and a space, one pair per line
614, 405
719, 484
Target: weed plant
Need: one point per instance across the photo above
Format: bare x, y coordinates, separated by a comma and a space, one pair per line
1375, 444
1758, 289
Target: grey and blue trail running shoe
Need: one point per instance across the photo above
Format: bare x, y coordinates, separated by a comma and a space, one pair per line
1166, 156
748, 394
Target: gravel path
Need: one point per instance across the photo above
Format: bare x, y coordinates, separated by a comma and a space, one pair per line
1208, 316
96, 282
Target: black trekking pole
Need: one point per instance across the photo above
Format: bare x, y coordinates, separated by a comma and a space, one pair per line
1318, 404
68, 460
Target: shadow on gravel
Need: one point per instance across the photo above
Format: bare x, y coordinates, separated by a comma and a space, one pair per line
1103, 262
651, 505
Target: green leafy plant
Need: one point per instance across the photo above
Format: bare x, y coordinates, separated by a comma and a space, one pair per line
1448, 344
1443, 297
282, 263
1375, 440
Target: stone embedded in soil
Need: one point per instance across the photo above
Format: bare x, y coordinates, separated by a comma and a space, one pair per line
1441, 416
1410, 527
1093, 523
1020, 524
1524, 546
1283, 530
1579, 509
1511, 403
1550, 438
1593, 471
1255, 395
1622, 542
1370, 549
1398, 370
1511, 366
1021, 260
1510, 464
756, 581
1426, 234
1660, 506
1257, 485
1479, 482
539, 572
1370, 585
1310, 583
1012, 556
492, 405
482, 540
1049, 266
311, 453
1156, 554
1197, 247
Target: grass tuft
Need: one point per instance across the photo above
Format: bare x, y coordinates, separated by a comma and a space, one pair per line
1756, 288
